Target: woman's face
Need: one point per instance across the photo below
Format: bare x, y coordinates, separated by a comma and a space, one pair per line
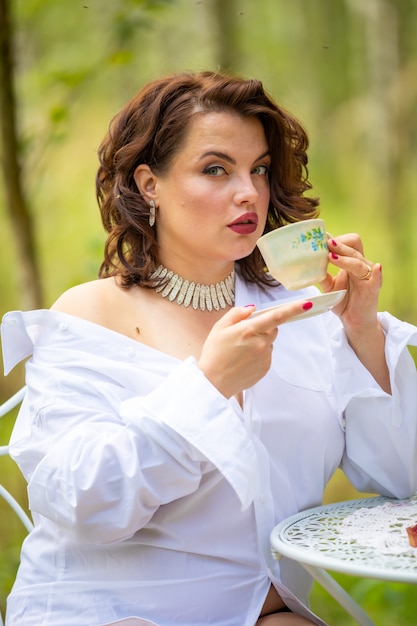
213, 201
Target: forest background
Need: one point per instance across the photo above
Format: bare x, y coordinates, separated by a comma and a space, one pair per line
346, 68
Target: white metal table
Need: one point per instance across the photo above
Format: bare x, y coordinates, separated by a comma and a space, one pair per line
329, 538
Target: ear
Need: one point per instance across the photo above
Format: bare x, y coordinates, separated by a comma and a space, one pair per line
145, 181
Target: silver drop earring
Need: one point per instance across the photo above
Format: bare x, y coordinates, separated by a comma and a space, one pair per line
151, 213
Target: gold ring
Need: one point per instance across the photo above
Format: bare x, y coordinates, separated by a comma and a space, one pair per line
368, 273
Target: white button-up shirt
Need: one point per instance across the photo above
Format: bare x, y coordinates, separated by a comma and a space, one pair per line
154, 496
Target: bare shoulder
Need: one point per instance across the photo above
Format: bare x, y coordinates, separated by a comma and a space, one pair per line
90, 301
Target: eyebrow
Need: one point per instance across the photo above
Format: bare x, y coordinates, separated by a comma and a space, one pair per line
226, 157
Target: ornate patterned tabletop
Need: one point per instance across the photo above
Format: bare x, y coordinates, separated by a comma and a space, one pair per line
364, 537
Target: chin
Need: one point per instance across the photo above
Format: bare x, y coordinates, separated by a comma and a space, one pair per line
243, 253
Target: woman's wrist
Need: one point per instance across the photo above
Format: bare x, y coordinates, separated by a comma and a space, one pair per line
368, 343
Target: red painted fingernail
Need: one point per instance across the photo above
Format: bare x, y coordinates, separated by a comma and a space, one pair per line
307, 306
334, 243
249, 305
334, 256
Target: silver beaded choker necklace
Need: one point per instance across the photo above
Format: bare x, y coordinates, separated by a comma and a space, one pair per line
186, 293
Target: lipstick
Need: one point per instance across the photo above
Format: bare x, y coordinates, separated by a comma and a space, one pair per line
245, 224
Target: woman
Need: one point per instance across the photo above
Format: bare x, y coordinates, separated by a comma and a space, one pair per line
166, 431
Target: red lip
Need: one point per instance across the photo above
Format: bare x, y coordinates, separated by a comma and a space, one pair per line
245, 224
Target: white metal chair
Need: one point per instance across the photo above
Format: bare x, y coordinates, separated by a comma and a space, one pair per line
5, 408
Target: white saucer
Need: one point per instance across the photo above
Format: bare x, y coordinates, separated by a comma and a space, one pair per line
321, 304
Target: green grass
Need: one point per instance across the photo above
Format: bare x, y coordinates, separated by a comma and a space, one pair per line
387, 604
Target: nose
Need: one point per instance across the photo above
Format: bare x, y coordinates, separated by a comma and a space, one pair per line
246, 191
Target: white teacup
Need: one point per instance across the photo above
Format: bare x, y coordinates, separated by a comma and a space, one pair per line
297, 254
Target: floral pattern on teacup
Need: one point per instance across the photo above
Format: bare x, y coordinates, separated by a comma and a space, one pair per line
315, 238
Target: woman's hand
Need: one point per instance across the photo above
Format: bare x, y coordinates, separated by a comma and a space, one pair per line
360, 277
238, 350
358, 310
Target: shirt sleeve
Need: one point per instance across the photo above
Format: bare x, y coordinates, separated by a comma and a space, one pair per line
191, 409
380, 429
100, 459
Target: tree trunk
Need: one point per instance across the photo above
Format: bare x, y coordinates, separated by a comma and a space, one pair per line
16, 202
225, 13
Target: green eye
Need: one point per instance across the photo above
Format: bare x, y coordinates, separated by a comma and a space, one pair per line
214, 170
262, 170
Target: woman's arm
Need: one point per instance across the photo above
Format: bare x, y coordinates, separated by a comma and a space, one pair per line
358, 311
380, 428
369, 346
100, 461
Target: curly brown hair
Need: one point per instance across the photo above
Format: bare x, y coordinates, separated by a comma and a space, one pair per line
151, 129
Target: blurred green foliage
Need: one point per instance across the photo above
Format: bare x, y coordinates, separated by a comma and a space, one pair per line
387, 604
345, 68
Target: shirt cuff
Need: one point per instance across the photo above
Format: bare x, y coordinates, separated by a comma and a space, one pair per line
355, 381
188, 404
